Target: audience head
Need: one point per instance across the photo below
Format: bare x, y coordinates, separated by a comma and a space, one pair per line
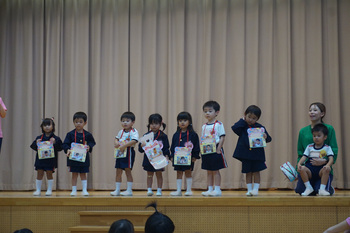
158, 222
121, 226
24, 230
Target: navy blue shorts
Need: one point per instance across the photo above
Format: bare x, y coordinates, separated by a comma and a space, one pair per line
79, 169
214, 161
45, 168
315, 171
252, 165
128, 161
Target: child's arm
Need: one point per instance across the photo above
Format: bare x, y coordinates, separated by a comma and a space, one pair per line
3, 109
220, 145
58, 144
340, 227
301, 162
128, 144
90, 142
239, 126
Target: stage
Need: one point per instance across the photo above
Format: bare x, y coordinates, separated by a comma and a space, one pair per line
271, 211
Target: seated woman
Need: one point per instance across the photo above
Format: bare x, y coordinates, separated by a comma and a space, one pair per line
316, 113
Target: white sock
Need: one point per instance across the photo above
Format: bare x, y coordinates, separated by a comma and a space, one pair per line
149, 189
159, 190
210, 188
129, 186
308, 185
189, 184
49, 185
84, 184
74, 188
217, 188
256, 186
323, 187
117, 186
249, 187
178, 185
38, 185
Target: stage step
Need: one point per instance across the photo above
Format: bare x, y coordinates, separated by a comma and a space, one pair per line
106, 218
99, 229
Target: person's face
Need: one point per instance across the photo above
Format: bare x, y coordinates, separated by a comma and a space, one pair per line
251, 118
79, 124
210, 113
48, 128
154, 127
319, 138
127, 123
183, 124
315, 113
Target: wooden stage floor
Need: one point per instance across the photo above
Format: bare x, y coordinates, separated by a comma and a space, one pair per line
270, 211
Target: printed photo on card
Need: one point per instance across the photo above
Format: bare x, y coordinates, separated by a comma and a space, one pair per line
78, 152
256, 137
208, 145
182, 156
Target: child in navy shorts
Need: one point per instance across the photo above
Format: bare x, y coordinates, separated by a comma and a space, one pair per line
125, 142
213, 162
49, 163
79, 136
253, 159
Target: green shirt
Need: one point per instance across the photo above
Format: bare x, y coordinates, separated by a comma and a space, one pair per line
305, 138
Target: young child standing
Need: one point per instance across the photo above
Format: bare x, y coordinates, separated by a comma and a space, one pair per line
125, 140
155, 121
47, 165
213, 162
80, 136
253, 159
185, 136
318, 149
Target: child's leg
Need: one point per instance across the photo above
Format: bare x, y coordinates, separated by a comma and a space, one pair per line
38, 182
49, 183
217, 182
118, 180
210, 178
188, 174
159, 176
179, 175
74, 183
249, 180
129, 179
256, 184
324, 174
149, 183
83, 178
306, 175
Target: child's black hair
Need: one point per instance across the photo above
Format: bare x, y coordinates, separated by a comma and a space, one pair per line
320, 128
80, 115
253, 109
47, 121
155, 118
121, 226
128, 115
212, 104
185, 116
158, 222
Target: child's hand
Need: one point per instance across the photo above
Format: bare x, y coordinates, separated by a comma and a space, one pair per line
193, 159
37, 141
88, 148
143, 144
69, 152
299, 167
264, 136
53, 140
171, 159
116, 144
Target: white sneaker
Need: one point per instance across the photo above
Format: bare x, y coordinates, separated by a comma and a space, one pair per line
254, 192
188, 193
206, 193
115, 193
159, 193
37, 193
126, 193
307, 192
249, 193
176, 193
323, 193
48, 193
215, 193
85, 193
73, 193
149, 193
